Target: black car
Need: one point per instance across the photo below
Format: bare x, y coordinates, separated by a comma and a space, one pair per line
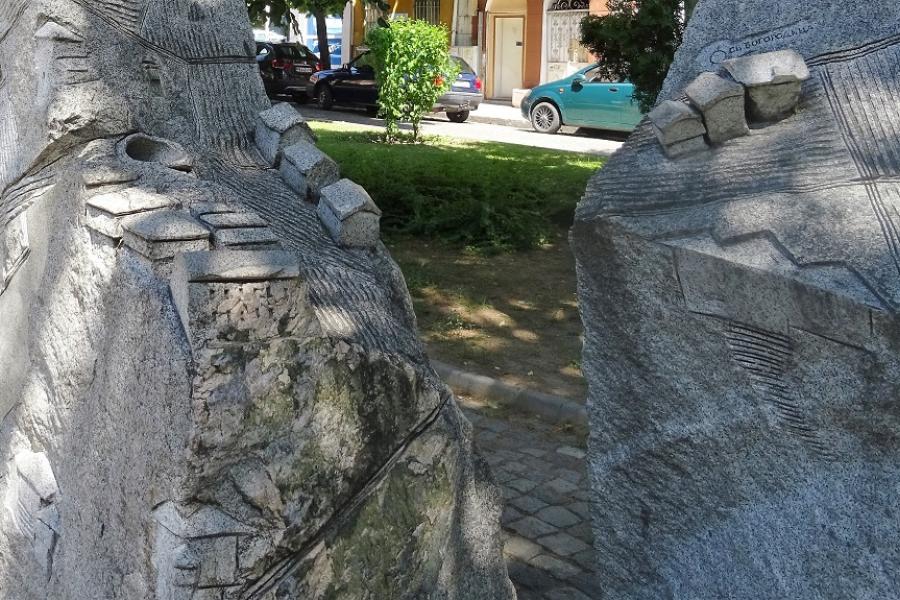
354, 85
285, 68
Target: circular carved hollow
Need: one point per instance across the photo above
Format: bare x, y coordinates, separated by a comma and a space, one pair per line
147, 149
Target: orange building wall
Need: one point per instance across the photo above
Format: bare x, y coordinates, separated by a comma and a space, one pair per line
598, 7
534, 25
397, 6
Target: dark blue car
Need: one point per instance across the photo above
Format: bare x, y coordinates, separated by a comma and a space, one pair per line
354, 85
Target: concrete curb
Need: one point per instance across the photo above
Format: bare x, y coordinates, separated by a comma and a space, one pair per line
551, 408
476, 118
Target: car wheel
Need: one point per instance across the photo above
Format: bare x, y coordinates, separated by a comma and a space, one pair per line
545, 118
459, 116
324, 97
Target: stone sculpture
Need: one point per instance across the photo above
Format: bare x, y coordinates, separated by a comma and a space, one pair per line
203, 395
741, 310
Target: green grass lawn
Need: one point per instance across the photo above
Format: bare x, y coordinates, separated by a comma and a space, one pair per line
479, 232
485, 195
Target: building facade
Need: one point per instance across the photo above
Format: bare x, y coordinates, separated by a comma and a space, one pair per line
512, 44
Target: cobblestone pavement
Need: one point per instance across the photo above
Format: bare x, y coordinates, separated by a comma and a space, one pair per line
549, 542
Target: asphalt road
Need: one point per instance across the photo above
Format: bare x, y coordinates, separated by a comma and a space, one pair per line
568, 139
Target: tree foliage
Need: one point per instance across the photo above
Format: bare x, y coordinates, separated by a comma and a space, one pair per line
280, 12
412, 69
637, 41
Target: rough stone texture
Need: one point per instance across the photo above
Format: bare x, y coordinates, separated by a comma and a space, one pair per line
773, 81
722, 104
742, 335
219, 425
678, 127
307, 169
350, 215
279, 127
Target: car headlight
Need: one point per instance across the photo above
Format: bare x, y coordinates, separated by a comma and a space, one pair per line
314, 78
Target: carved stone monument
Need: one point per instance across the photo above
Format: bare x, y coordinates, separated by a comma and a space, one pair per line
203, 395
741, 310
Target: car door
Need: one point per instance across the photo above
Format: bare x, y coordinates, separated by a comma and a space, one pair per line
355, 85
589, 99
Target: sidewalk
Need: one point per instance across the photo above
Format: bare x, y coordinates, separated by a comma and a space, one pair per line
546, 522
498, 113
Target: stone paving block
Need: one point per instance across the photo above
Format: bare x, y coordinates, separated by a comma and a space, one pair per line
501, 475
583, 532
563, 544
521, 548
586, 559
509, 515
533, 528
516, 467
550, 496
530, 578
582, 509
528, 504
562, 486
508, 493
521, 485
570, 475
560, 569
558, 516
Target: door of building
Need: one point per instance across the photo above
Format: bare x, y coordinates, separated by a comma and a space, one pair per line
509, 36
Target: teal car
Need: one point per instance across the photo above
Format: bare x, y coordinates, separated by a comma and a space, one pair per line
583, 99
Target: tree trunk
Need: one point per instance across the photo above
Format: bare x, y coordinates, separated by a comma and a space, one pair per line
322, 31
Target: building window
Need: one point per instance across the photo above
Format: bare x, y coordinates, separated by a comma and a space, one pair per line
429, 10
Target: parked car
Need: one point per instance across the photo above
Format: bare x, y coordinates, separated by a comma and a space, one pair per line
354, 85
583, 99
285, 68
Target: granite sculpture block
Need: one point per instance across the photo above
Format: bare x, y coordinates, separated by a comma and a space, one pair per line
279, 127
307, 169
742, 341
773, 81
721, 102
350, 215
182, 420
678, 127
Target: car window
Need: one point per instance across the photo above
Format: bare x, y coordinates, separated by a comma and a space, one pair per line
463, 65
262, 51
594, 75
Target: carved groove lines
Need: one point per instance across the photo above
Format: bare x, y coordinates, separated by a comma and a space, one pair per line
10, 12
766, 358
19, 197
864, 93
125, 13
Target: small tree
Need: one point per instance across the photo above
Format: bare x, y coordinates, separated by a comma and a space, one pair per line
637, 41
412, 69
